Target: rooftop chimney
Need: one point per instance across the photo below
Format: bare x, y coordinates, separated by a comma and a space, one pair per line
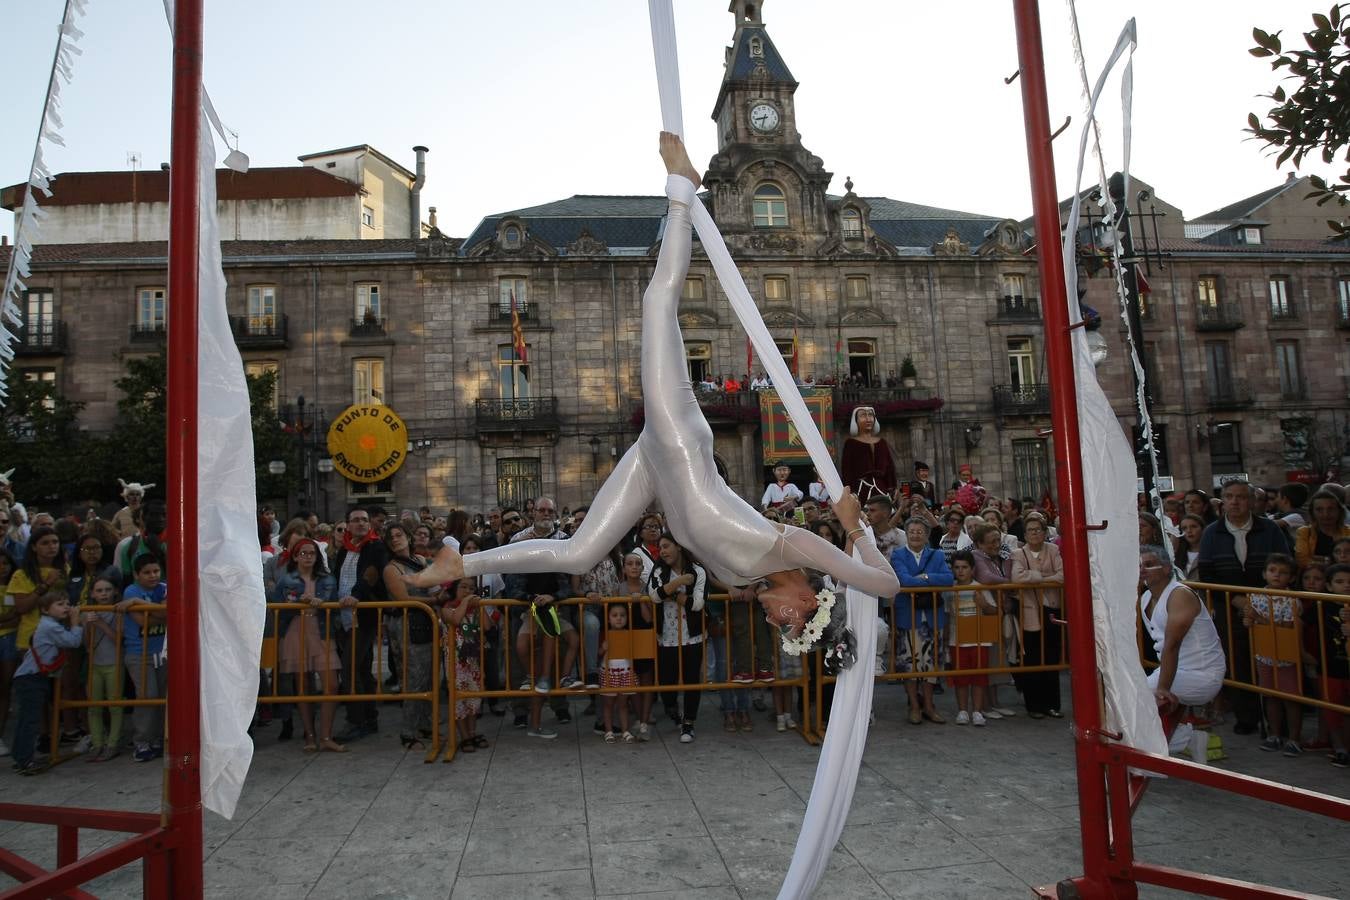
416, 227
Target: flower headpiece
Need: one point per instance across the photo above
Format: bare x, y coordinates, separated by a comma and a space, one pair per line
814, 629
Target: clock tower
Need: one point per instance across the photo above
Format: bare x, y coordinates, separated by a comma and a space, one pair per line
767, 190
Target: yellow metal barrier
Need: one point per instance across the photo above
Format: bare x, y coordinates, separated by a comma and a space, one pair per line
935, 607
513, 675
328, 692
1303, 643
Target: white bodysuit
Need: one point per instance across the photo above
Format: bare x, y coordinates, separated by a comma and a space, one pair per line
1200, 662
672, 461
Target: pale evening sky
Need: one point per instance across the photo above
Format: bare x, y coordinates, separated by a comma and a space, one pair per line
526, 102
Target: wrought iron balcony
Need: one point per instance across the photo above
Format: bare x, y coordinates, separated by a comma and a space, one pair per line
501, 315
368, 326
41, 338
148, 332
260, 331
1223, 317
1228, 393
1021, 399
529, 414
1018, 307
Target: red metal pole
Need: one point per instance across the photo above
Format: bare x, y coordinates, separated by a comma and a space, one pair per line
184, 706
1092, 797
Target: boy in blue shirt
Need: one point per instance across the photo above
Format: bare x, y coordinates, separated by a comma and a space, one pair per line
142, 646
57, 631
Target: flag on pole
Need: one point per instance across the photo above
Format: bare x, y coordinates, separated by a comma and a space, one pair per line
517, 334
793, 366
1142, 283
749, 356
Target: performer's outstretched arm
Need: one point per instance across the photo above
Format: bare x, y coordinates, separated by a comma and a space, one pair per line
871, 575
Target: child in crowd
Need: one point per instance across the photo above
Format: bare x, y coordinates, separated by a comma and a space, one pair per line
57, 631
975, 628
142, 648
105, 676
1335, 628
1273, 621
460, 615
633, 585
618, 676
1340, 552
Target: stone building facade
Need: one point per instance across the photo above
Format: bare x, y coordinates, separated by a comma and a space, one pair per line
1245, 381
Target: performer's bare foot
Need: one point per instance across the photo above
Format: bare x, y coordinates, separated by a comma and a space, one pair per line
676, 157
447, 565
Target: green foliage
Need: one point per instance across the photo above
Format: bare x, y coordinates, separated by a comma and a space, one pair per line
1315, 116
270, 440
53, 462
907, 368
136, 449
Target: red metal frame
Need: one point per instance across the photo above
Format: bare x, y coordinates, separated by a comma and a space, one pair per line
169, 843
183, 786
1105, 796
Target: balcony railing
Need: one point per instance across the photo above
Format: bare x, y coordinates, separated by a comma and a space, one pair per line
259, 331
539, 413
1229, 393
41, 338
147, 332
1018, 307
1224, 317
1021, 399
499, 314
368, 326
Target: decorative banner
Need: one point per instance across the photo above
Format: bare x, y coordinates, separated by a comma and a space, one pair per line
782, 442
368, 443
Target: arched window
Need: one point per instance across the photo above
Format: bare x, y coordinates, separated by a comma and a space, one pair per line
699, 356
851, 221
770, 207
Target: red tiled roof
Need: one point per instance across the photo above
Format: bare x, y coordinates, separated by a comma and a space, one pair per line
280, 182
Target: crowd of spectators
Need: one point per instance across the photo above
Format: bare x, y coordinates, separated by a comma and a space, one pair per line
945, 625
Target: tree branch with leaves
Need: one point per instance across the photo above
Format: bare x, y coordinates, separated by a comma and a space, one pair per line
1314, 116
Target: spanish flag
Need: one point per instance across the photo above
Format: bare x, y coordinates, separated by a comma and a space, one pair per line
794, 351
517, 335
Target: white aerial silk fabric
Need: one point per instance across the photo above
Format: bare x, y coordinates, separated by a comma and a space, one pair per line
1109, 479
841, 754
232, 608
28, 220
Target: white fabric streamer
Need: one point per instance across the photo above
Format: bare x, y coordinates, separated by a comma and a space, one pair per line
27, 223
232, 608
840, 756
1109, 483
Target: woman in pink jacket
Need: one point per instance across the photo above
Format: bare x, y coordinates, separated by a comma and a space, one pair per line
1035, 561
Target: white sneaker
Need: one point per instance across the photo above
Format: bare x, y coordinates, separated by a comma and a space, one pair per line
976, 718
963, 718
1005, 712
644, 732
83, 745
547, 734
782, 723
992, 713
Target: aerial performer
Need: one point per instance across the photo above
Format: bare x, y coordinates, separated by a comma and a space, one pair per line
672, 462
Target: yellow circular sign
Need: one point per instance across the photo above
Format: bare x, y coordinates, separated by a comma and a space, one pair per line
367, 442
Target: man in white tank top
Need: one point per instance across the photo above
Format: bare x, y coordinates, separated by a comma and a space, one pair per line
1191, 661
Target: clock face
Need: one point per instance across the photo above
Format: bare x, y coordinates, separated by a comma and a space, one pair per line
763, 117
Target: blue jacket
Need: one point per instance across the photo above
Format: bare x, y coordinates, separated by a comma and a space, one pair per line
930, 570
1218, 554
289, 586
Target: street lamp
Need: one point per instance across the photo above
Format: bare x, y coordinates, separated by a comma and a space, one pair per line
277, 467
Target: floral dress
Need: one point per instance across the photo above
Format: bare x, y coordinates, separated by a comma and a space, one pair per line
467, 667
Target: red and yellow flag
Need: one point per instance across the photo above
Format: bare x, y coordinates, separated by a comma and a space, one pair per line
793, 365
517, 334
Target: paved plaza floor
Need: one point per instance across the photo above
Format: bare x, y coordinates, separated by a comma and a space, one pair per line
941, 811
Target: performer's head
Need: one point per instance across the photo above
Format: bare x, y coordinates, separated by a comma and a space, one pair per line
864, 421
781, 473
788, 600
921, 471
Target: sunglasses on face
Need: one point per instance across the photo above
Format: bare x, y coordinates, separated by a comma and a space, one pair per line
512, 521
